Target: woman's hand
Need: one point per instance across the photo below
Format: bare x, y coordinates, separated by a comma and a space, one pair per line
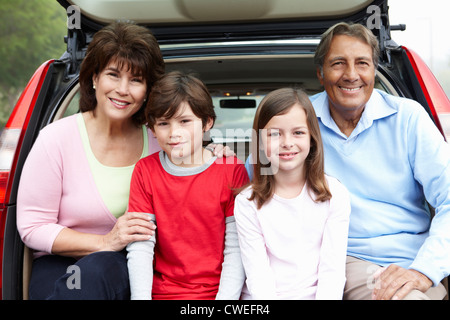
133, 226
130, 227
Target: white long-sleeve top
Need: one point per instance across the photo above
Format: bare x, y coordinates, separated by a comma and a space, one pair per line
294, 248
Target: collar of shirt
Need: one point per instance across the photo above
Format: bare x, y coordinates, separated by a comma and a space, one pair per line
376, 108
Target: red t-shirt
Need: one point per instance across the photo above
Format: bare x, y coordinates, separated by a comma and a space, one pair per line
190, 213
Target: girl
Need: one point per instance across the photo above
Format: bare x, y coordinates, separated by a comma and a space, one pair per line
292, 220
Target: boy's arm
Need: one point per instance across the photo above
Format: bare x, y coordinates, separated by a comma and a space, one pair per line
233, 276
141, 253
140, 267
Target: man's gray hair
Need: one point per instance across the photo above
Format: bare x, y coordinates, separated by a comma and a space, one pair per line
348, 29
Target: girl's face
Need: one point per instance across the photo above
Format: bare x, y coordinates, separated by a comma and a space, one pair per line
181, 137
286, 141
119, 93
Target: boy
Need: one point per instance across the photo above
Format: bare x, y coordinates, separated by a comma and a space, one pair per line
190, 194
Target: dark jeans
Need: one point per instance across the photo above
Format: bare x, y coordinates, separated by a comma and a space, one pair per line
98, 276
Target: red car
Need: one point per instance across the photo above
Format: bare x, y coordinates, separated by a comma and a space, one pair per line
240, 51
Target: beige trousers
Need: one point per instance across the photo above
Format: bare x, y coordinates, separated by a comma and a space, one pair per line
359, 283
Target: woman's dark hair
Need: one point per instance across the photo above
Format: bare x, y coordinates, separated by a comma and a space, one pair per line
130, 46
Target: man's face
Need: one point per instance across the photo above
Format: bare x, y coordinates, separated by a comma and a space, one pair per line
348, 74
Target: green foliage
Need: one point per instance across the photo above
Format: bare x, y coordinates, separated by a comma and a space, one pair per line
31, 32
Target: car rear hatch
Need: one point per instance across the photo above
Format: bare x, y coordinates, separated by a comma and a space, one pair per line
201, 28
194, 21
231, 38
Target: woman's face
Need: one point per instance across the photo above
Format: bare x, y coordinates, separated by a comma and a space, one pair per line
119, 93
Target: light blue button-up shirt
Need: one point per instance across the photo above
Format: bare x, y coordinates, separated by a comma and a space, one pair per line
394, 161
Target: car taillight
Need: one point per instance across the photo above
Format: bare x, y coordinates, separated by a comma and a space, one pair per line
436, 97
12, 135
10, 142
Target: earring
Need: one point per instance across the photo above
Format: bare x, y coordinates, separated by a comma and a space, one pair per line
93, 86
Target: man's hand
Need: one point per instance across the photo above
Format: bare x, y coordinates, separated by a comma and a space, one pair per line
220, 151
395, 283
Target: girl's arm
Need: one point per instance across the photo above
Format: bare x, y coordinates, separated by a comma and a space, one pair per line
333, 252
260, 278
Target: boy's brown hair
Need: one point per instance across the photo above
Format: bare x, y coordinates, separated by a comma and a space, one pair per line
171, 91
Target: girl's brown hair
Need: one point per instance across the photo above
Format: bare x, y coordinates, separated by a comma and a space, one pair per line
130, 46
275, 103
173, 89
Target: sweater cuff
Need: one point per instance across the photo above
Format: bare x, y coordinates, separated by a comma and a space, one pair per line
427, 268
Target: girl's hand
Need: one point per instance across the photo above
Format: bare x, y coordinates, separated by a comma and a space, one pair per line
130, 227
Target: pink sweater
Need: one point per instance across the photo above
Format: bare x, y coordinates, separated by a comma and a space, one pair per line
57, 188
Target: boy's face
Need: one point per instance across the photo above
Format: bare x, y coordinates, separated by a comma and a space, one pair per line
181, 137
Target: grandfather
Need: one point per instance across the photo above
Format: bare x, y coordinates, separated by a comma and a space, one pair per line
389, 154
